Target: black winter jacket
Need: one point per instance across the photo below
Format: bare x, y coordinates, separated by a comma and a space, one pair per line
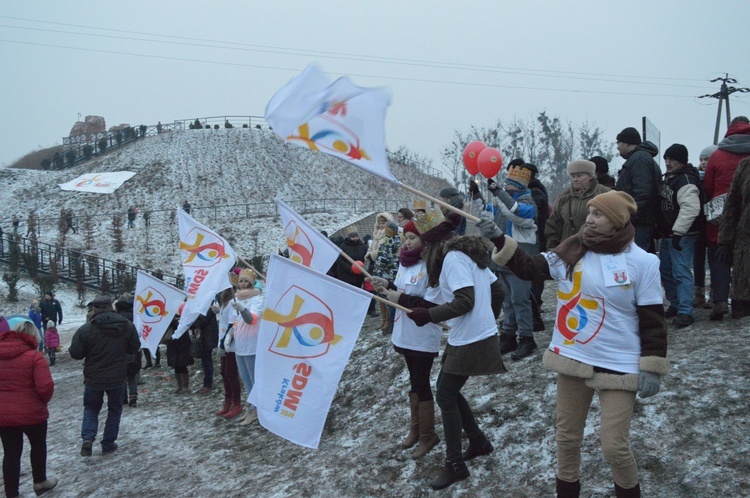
104, 344
343, 269
541, 199
671, 209
640, 177
209, 327
51, 310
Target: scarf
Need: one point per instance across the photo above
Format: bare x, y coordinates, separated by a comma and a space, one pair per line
410, 257
572, 249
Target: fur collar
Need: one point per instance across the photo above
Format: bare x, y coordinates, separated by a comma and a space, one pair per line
477, 248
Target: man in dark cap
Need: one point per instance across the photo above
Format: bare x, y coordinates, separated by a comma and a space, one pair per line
104, 343
640, 177
453, 197
680, 221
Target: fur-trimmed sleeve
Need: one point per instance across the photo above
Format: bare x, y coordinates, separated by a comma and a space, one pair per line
525, 266
652, 328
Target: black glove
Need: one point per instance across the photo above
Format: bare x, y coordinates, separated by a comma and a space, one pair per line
421, 316
724, 255
473, 189
676, 242
492, 185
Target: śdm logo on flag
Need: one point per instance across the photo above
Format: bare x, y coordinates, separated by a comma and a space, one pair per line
204, 250
307, 246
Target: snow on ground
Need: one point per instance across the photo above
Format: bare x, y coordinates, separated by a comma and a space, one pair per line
692, 440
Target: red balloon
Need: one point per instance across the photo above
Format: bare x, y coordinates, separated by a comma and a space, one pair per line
471, 154
357, 267
489, 162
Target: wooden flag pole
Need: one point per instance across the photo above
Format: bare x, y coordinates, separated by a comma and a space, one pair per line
439, 202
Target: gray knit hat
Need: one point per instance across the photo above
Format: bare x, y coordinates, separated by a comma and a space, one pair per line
708, 151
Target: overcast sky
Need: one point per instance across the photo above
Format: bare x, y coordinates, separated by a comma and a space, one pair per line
449, 65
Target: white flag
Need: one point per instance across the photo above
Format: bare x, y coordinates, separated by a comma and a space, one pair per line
154, 306
307, 246
308, 328
98, 183
207, 260
340, 119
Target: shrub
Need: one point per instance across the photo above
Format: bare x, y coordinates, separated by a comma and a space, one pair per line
216, 127
58, 161
70, 156
88, 151
46, 163
102, 143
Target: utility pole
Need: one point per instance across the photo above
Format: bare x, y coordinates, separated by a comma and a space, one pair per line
723, 94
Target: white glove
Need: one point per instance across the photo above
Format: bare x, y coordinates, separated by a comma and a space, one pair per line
380, 284
393, 295
237, 307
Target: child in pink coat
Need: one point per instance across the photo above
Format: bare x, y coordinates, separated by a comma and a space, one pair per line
51, 341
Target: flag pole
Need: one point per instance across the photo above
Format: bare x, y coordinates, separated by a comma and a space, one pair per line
251, 267
439, 202
374, 296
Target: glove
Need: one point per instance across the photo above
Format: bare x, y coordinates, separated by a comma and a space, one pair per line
392, 295
648, 383
676, 242
474, 190
724, 255
420, 316
492, 185
380, 284
487, 228
237, 306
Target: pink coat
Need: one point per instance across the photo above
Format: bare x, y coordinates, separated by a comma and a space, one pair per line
51, 338
26, 384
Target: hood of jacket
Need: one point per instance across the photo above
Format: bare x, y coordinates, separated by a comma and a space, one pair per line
14, 344
737, 139
110, 323
688, 170
649, 147
473, 246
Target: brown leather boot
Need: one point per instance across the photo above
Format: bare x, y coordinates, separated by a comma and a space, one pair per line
413, 436
427, 436
384, 314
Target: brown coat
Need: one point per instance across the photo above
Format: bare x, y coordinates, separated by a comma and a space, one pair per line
570, 211
734, 230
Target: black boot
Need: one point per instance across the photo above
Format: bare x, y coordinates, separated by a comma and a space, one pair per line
634, 492
567, 489
454, 471
478, 446
507, 343
526, 346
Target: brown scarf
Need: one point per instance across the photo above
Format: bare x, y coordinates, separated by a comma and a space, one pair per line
572, 249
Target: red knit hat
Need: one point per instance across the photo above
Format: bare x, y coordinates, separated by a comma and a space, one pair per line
411, 227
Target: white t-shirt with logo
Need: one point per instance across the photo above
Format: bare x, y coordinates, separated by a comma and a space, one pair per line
412, 280
246, 335
460, 271
596, 321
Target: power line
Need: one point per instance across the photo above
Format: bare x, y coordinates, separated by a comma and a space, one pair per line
377, 76
358, 57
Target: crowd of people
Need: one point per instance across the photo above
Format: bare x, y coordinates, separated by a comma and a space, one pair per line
616, 248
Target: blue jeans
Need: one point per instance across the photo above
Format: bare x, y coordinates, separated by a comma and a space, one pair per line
246, 367
207, 364
518, 316
93, 399
456, 413
676, 273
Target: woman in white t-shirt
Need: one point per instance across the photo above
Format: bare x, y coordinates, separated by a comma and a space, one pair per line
248, 305
463, 293
601, 274
418, 345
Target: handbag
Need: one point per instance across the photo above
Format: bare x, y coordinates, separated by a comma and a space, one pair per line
714, 209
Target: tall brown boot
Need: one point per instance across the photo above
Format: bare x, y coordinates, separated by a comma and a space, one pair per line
427, 436
384, 315
413, 436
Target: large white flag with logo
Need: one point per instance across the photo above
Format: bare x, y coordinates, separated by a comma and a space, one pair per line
155, 303
98, 183
307, 246
207, 260
340, 119
308, 328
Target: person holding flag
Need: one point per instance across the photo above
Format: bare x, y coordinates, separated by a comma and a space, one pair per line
419, 346
462, 291
248, 305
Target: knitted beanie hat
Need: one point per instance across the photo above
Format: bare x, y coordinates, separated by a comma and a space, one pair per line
519, 177
678, 152
708, 151
452, 197
616, 206
410, 227
602, 165
582, 166
629, 136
